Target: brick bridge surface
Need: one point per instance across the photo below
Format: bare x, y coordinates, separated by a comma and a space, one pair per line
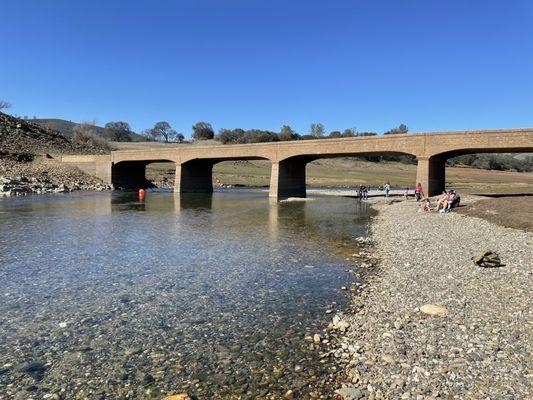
194, 164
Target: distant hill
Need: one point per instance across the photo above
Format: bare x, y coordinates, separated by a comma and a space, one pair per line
66, 128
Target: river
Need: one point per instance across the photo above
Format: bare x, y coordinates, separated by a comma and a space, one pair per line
104, 296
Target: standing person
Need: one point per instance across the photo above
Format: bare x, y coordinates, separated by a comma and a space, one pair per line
419, 192
360, 192
364, 192
386, 187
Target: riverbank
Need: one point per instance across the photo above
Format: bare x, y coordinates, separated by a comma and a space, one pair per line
479, 344
42, 175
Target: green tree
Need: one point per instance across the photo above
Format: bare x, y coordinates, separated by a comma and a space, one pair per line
164, 130
202, 131
286, 133
349, 132
118, 131
335, 134
402, 128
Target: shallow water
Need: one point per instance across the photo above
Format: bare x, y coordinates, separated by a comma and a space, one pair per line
102, 296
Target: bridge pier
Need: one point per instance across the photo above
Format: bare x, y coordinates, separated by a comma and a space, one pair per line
194, 176
288, 178
431, 173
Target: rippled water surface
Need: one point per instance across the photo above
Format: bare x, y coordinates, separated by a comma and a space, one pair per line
102, 296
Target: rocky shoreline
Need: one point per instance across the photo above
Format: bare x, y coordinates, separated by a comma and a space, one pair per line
428, 323
43, 176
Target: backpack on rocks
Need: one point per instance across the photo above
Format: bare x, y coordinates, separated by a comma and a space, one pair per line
488, 259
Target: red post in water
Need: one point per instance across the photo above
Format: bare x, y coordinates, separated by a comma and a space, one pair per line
141, 194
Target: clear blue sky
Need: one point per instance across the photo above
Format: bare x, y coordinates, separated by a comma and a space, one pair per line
432, 64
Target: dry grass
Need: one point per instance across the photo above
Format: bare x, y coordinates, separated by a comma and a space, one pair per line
350, 172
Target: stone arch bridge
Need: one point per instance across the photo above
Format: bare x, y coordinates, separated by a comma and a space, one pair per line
194, 164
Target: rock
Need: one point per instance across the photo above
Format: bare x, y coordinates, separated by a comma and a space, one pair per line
343, 326
148, 380
35, 369
387, 358
181, 396
316, 338
289, 394
349, 393
434, 310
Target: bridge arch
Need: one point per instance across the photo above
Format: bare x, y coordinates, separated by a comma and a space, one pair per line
196, 175
288, 178
431, 171
131, 174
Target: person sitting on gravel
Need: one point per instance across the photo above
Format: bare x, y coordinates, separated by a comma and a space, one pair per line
426, 207
453, 200
443, 201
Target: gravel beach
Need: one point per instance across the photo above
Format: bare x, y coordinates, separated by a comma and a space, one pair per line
432, 324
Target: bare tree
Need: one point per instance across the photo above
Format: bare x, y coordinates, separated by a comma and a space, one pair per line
317, 130
118, 131
85, 134
149, 134
4, 105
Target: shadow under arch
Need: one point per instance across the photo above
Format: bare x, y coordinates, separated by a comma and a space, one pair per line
131, 175
196, 175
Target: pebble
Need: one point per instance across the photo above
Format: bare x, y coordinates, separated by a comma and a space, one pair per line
433, 310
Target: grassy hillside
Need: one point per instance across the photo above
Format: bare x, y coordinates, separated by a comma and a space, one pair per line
66, 128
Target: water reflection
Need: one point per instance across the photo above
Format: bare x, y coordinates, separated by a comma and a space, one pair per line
105, 295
